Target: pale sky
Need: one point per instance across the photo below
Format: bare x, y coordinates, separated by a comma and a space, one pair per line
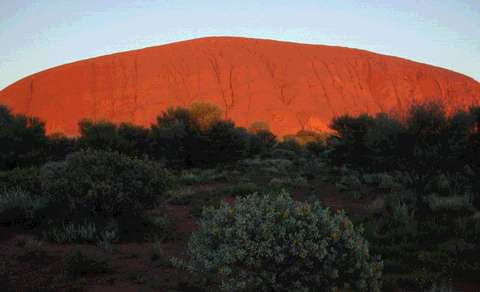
37, 35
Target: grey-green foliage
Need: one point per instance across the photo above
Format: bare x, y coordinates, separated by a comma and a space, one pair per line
20, 199
19, 205
106, 239
349, 182
450, 203
381, 180
241, 189
273, 166
274, 243
277, 183
199, 176
181, 196
441, 288
105, 183
67, 233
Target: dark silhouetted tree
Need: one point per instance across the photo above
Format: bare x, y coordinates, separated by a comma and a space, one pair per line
22, 139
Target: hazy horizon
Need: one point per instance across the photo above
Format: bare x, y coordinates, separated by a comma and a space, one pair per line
37, 35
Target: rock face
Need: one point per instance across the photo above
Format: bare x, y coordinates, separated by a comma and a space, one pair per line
288, 85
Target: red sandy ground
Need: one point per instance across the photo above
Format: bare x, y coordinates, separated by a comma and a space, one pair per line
287, 85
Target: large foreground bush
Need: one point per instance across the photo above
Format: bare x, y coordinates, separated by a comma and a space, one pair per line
273, 243
105, 183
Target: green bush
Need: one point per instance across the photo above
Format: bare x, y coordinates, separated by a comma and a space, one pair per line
197, 176
159, 226
227, 143
262, 142
273, 243
18, 206
26, 179
182, 196
270, 166
68, 233
241, 189
286, 154
58, 146
22, 139
349, 183
282, 183
104, 183
77, 264
450, 203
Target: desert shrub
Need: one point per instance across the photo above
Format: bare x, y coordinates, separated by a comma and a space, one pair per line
132, 140
298, 181
349, 141
33, 250
22, 139
198, 176
468, 228
441, 288
159, 256
72, 232
273, 243
262, 141
106, 239
278, 184
205, 114
283, 165
401, 216
18, 206
277, 166
102, 184
190, 178
241, 189
197, 137
99, 135
313, 168
269, 166
182, 196
159, 226
349, 183
280, 153
125, 138
312, 141
227, 143
258, 126
371, 178
439, 184
26, 179
383, 181
58, 146
456, 203
392, 200
250, 163
388, 182
78, 264
177, 138
316, 147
